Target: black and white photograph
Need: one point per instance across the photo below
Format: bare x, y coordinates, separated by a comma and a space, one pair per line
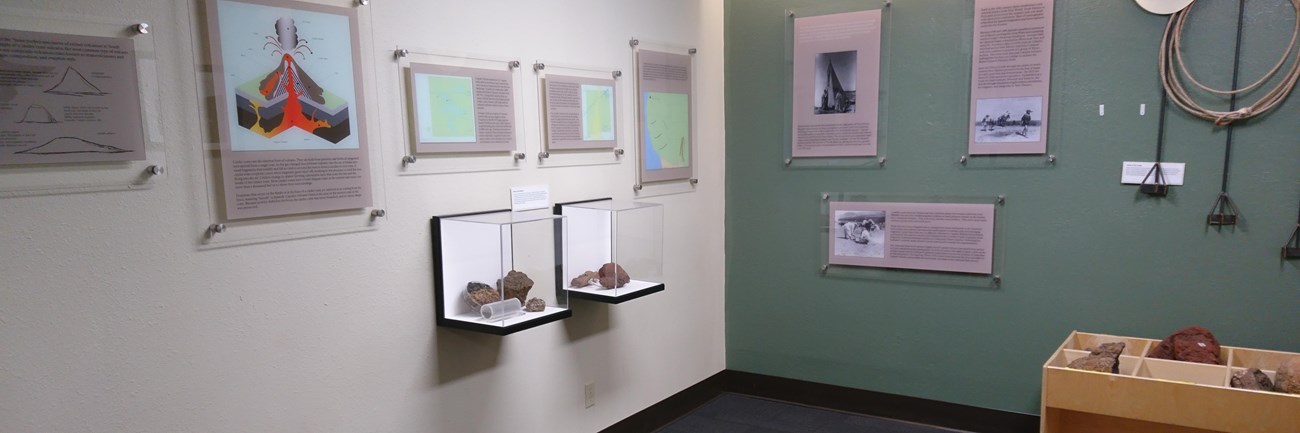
1008, 120
835, 82
860, 233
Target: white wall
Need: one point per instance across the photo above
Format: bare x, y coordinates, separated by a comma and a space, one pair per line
112, 320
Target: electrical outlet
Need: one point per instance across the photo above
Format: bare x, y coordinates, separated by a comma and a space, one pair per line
589, 393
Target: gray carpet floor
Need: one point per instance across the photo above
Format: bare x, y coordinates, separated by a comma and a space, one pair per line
734, 413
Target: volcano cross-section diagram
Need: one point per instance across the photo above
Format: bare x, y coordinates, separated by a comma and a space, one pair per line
287, 97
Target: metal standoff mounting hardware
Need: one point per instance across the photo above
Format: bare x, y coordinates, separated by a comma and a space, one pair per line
363, 2
826, 268
788, 161
519, 156
789, 13
1002, 199
618, 74
514, 64
155, 170
618, 151
882, 161
963, 160
692, 51
216, 228
695, 181
636, 187
1051, 159
538, 66
633, 42
408, 159
997, 280
378, 213
826, 196
543, 154
142, 28
401, 52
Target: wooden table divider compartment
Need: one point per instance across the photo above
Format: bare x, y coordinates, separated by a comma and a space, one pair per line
1151, 395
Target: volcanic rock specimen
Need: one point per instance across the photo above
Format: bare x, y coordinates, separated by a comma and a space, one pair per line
612, 275
535, 305
477, 294
1288, 377
1103, 359
1191, 344
516, 285
1252, 378
584, 279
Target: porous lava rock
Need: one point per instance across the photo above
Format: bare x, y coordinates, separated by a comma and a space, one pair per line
1190, 344
516, 285
1288, 377
535, 305
477, 294
1251, 378
612, 275
1103, 359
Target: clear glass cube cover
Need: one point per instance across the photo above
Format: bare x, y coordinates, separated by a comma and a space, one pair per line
499, 272
615, 249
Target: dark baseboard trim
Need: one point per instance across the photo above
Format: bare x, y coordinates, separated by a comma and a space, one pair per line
669, 409
834, 397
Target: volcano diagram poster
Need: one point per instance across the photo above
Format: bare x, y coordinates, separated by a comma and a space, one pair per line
288, 89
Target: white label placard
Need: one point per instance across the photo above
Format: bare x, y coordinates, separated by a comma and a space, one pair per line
1134, 172
529, 197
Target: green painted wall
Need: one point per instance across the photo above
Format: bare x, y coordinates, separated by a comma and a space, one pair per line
1081, 251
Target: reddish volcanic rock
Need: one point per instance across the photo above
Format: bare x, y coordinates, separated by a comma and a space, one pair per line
1191, 344
516, 285
612, 275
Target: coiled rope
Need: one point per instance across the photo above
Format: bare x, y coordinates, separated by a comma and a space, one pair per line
1173, 70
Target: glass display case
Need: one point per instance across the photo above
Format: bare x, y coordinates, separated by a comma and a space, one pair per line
616, 249
500, 272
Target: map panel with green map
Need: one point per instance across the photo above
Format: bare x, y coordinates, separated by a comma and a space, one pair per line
667, 129
445, 106
597, 113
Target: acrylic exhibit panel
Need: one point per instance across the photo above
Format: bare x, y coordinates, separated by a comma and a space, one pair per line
615, 249
580, 112
949, 237
287, 78
460, 109
664, 107
498, 272
1011, 75
836, 84
68, 98
78, 104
